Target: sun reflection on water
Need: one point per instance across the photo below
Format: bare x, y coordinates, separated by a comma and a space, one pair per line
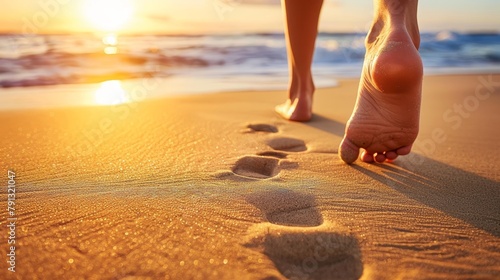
110, 93
110, 42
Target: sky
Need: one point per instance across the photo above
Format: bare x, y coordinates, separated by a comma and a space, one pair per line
224, 16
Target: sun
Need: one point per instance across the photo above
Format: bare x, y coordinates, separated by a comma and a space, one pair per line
108, 15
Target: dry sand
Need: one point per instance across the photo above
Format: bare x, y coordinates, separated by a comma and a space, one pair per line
219, 187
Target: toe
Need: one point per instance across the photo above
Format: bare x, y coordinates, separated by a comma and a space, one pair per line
380, 157
367, 157
404, 150
348, 151
391, 155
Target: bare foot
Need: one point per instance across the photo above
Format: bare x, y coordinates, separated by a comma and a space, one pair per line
385, 119
298, 107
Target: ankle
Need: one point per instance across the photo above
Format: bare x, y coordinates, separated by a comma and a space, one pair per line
302, 87
393, 32
393, 15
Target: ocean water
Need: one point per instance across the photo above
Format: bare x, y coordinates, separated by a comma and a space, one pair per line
226, 62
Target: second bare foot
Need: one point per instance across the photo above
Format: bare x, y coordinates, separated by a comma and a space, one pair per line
385, 120
298, 107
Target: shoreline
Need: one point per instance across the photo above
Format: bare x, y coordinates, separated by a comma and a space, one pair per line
56, 96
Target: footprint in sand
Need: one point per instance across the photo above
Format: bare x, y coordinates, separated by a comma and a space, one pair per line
268, 164
257, 167
287, 144
288, 208
261, 127
299, 242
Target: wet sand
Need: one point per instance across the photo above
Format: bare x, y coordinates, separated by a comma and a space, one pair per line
219, 187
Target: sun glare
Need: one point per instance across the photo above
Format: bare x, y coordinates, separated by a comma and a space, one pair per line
110, 93
108, 15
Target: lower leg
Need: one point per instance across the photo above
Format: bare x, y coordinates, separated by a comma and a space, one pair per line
301, 19
385, 119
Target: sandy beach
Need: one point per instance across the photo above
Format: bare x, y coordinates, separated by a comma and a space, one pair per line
218, 186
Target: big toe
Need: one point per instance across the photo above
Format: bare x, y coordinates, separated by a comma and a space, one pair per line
348, 151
